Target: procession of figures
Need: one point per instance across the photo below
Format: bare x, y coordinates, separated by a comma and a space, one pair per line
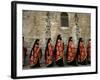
56, 39
57, 54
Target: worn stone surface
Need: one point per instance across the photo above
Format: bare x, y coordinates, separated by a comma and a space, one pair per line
36, 25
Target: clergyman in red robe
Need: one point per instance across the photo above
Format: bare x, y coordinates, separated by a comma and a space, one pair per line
89, 51
24, 53
82, 53
71, 52
59, 51
49, 54
35, 55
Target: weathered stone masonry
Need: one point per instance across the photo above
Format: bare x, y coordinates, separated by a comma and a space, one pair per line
44, 24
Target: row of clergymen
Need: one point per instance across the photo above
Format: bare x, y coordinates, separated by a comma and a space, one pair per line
74, 56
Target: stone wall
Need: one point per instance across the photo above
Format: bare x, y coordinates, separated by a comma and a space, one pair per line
37, 24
